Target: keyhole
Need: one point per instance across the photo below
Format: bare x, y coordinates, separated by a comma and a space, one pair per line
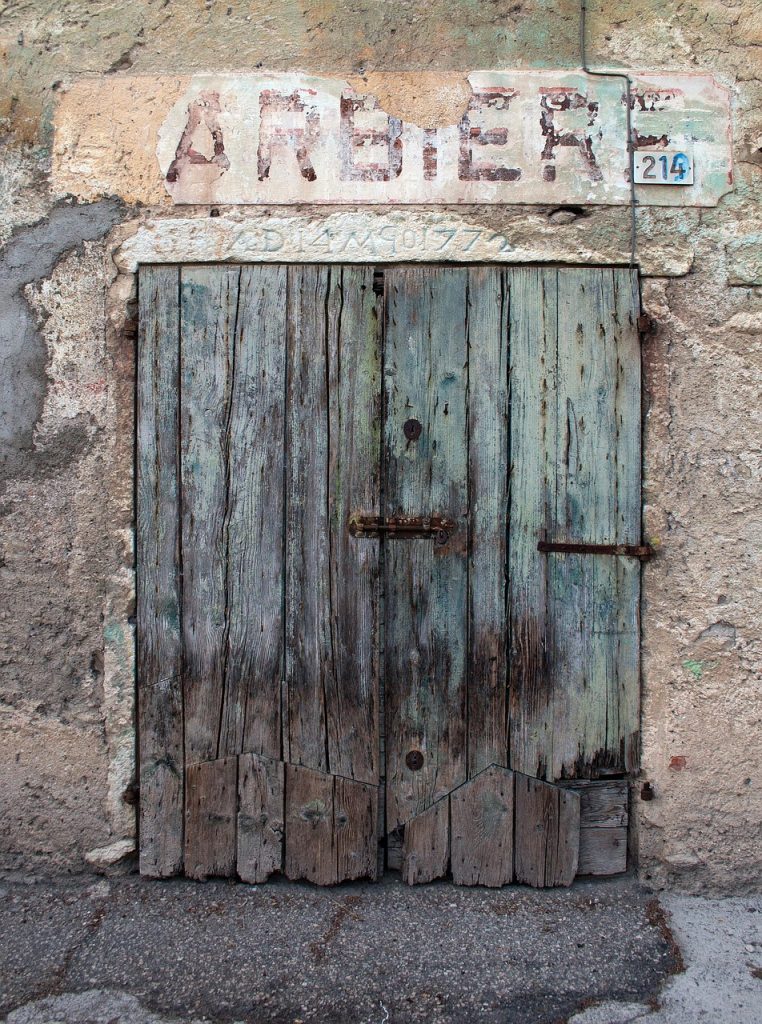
414, 760
412, 430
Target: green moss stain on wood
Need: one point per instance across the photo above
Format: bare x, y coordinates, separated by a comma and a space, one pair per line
575, 454
533, 443
488, 311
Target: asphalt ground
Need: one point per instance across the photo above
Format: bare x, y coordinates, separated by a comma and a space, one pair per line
133, 951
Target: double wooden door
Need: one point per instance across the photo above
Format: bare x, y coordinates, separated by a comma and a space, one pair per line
360, 639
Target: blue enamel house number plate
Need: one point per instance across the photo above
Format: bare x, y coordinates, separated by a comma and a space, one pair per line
663, 167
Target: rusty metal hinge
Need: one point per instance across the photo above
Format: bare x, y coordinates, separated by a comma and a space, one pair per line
641, 551
403, 527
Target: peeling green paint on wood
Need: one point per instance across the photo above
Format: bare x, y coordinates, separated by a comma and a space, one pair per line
504, 399
575, 453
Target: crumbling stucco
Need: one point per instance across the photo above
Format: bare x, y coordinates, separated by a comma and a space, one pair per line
702, 716
28, 257
65, 649
66, 646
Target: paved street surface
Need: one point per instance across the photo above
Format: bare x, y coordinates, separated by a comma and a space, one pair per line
129, 951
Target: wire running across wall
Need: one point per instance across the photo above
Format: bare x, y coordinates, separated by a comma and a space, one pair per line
630, 142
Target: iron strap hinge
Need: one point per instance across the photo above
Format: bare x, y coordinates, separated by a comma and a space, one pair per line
641, 551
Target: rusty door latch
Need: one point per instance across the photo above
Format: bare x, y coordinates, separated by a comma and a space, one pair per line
641, 551
403, 527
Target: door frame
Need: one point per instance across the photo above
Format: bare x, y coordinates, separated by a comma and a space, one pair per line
434, 263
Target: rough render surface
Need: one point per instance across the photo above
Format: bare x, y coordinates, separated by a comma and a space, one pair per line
67, 740
65, 490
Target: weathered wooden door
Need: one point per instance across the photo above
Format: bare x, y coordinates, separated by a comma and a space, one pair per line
356, 630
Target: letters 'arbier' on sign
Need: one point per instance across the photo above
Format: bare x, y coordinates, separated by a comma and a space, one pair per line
525, 137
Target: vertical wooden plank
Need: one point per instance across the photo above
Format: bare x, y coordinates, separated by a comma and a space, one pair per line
356, 829
310, 838
308, 665
627, 404
390, 843
333, 446
425, 371
160, 725
584, 510
546, 842
628, 412
210, 818
481, 829
209, 300
354, 439
593, 600
426, 846
254, 526
533, 432
488, 310
260, 817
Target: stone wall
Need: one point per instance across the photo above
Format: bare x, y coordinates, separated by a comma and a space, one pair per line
66, 391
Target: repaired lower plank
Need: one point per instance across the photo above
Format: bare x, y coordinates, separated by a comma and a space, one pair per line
604, 816
210, 818
260, 817
355, 829
602, 851
546, 843
481, 829
330, 827
310, 851
426, 846
394, 852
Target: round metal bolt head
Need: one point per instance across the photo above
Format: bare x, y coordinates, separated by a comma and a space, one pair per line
412, 430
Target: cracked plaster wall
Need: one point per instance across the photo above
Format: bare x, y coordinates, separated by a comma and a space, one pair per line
66, 669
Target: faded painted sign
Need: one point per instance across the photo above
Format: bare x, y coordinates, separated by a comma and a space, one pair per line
524, 137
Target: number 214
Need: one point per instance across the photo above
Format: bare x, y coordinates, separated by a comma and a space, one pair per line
678, 168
